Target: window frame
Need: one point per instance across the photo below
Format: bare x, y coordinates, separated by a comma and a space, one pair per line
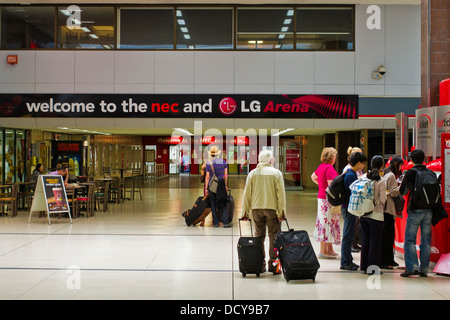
233, 7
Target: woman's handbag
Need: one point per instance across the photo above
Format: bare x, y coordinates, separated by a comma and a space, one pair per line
214, 181
399, 203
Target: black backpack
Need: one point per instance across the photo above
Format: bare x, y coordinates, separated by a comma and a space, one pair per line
427, 189
336, 191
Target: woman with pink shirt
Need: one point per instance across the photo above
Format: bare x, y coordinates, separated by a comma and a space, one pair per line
327, 230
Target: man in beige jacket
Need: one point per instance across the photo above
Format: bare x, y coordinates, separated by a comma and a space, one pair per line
265, 197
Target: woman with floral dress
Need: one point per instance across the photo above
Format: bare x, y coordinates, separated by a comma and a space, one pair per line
327, 230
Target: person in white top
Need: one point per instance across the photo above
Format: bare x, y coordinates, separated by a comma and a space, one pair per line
371, 225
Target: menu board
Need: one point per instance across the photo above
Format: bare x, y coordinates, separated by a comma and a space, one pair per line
50, 196
55, 193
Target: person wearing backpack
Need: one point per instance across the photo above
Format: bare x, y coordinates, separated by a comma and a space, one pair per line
371, 224
418, 215
357, 162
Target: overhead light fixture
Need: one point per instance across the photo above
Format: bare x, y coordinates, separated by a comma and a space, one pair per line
85, 131
181, 22
186, 36
283, 131
287, 21
93, 36
183, 131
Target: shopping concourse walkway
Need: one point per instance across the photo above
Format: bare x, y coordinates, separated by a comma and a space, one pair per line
144, 250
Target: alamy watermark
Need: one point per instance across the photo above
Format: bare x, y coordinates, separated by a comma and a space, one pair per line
74, 279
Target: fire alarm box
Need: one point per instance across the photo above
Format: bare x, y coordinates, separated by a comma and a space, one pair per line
12, 59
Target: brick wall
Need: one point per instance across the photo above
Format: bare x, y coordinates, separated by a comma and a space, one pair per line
435, 48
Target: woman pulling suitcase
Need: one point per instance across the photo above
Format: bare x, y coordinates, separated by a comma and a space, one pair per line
216, 186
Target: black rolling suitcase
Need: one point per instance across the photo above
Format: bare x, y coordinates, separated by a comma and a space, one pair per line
199, 211
297, 257
250, 253
230, 207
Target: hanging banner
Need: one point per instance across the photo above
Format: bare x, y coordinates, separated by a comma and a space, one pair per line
179, 106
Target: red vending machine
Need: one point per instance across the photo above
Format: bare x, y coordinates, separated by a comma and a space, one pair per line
444, 92
440, 238
445, 182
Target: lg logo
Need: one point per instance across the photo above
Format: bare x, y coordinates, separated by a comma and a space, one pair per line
227, 106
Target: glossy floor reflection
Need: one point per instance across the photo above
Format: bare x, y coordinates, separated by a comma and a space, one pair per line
144, 250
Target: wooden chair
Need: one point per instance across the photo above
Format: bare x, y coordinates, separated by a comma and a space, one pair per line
115, 190
87, 200
101, 194
134, 183
10, 198
71, 201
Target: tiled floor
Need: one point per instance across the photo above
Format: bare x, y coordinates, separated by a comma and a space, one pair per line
144, 250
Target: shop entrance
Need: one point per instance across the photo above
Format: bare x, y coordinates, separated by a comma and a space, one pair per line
179, 159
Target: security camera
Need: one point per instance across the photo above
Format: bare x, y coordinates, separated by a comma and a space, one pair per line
382, 70
380, 73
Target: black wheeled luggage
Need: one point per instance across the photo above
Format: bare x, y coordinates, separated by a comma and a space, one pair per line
297, 257
250, 253
230, 208
199, 211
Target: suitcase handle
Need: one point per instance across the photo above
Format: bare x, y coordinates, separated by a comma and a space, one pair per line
289, 229
251, 229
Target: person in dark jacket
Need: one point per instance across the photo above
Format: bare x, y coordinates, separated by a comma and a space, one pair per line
416, 217
357, 162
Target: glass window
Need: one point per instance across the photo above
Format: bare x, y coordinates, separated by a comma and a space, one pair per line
146, 28
265, 28
86, 27
27, 27
202, 28
325, 28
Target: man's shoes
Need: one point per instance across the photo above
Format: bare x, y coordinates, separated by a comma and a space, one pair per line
407, 273
228, 225
350, 267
